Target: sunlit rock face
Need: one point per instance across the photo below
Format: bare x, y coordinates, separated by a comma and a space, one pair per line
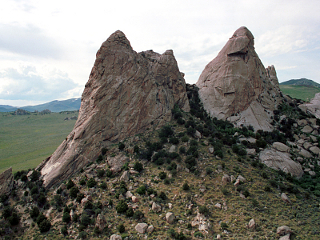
237, 87
126, 94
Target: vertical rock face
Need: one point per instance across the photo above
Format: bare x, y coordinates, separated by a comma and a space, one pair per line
6, 182
236, 86
127, 92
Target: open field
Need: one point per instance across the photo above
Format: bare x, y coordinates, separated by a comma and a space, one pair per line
301, 92
26, 140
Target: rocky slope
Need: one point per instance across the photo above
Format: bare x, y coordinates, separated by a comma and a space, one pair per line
126, 94
236, 86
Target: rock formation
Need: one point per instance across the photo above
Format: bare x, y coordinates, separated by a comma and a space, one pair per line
127, 93
236, 86
6, 182
313, 107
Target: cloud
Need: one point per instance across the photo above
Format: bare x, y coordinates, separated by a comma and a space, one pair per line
28, 40
27, 83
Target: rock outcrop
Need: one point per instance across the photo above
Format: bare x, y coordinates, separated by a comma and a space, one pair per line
313, 107
6, 182
127, 93
236, 86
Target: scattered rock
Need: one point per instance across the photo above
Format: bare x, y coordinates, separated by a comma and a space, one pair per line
252, 224
198, 134
141, 227
129, 194
134, 199
170, 217
172, 149
156, 207
100, 222
285, 198
117, 162
241, 179
285, 237
251, 151
211, 150
150, 229
218, 205
226, 179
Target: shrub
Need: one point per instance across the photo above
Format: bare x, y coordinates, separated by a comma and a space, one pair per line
209, 171
91, 183
165, 132
122, 207
85, 219
35, 176
129, 212
80, 196
136, 149
100, 173
44, 226
66, 217
73, 192
138, 166
162, 175
64, 230
141, 190
121, 228
182, 150
224, 226
121, 146
99, 159
83, 235
203, 210
14, 219
70, 184
82, 182
103, 185
109, 173
34, 190
163, 196
185, 138
185, 186
174, 140
104, 151
34, 212
24, 178
138, 215
7, 211
88, 205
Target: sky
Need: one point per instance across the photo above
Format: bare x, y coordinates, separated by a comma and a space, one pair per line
47, 48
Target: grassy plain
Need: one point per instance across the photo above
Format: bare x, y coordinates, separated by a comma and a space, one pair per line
26, 140
300, 92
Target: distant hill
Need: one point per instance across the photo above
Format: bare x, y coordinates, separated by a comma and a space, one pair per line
72, 104
302, 88
301, 82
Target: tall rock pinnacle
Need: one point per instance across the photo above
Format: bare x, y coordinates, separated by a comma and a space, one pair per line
236, 86
127, 93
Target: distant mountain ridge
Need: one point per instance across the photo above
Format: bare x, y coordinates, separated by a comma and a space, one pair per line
72, 104
301, 82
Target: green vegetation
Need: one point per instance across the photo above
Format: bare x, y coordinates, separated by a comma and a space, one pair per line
306, 93
26, 140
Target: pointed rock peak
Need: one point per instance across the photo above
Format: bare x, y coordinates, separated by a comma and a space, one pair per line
243, 31
117, 38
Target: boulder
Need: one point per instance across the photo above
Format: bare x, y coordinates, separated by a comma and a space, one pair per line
280, 147
170, 217
150, 229
125, 176
280, 161
314, 150
237, 87
141, 227
312, 107
211, 150
225, 179
285, 237
6, 182
172, 149
307, 129
139, 90
156, 207
100, 222
115, 237
305, 153
285, 198
283, 230
251, 151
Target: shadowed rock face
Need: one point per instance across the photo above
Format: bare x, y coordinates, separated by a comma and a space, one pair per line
236, 86
127, 92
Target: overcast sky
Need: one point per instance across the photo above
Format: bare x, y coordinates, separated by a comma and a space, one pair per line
47, 48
